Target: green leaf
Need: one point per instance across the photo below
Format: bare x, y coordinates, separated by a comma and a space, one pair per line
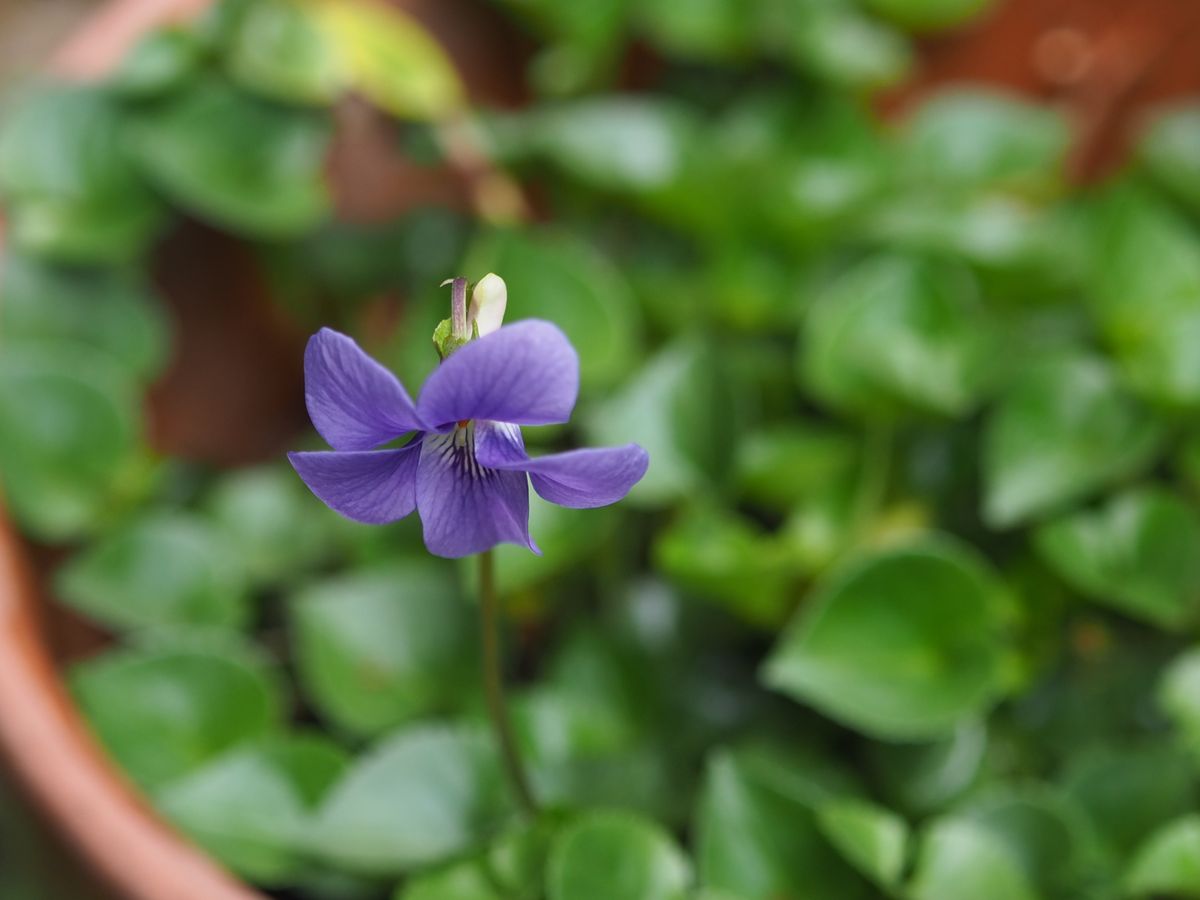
871, 838
1179, 695
110, 310
70, 418
1044, 833
516, 861
1137, 554
379, 647
1168, 862
73, 195
974, 138
240, 162
554, 275
270, 523
606, 854
1032, 247
620, 143
839, 44
959, 858
251, 807
463, 881
391, 59
924, 778
1063, 431
162, 714
165, 569
278, 48
722, 556
1129, 791
779, 466
425, 794
1145, 287
511, 869
902, 645
701, 30
680, 407
1169, 150
757, 836
896, 331
161, 62
926, 15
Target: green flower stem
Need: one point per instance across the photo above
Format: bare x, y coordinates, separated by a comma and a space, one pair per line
493, 684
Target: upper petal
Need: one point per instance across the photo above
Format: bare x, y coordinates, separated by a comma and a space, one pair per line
527, 373
354, 402
577, 478
370, 486
464, 507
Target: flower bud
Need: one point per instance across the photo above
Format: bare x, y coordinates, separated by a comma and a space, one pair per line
488, 302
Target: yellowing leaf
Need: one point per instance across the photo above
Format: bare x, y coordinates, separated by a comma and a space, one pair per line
392, 60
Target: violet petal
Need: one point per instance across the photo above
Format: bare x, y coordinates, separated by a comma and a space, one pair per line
578, 478
369, 486
354, 402
466, 508
526, 373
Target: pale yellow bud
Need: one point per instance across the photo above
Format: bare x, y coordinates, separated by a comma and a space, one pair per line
488, 302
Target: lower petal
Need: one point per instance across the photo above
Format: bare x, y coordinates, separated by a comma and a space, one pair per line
577, 478
466, 508
369, 486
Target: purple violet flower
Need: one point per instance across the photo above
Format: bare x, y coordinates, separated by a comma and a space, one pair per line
465, 468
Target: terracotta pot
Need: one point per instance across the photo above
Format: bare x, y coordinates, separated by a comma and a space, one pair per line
1104, 60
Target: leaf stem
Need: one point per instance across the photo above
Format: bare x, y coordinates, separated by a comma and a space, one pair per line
493, 683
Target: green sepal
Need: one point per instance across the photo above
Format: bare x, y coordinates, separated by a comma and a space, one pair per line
444, 341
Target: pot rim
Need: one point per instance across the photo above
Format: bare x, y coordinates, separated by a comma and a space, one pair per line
62, 767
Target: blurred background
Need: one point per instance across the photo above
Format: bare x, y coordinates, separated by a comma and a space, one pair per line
903, 297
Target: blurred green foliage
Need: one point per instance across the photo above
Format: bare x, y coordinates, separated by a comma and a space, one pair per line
907, 603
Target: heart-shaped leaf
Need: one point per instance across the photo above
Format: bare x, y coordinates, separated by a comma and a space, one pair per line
241, 162
112, 311
897, 331
166, 569
605, 854
1168, 863
1179, 695
73, 194
425, 794
757, 832
973, 138
1170, 151
1138, 553
251, 807
269, 522
680, 407
904, 644
1145, 290
69, 416
377, 648
162, 714
279, 49
959, 858
871, 838
1062, 431
391, 59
